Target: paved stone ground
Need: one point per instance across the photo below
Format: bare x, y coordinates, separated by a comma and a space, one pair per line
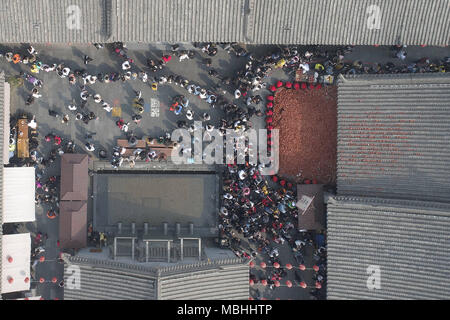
57, 94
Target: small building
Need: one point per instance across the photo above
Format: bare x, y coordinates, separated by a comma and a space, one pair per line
73, 224
313, 218
74, 177
73, 204
19, 194
15, 262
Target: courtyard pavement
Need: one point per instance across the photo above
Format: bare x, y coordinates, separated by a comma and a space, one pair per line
57, 93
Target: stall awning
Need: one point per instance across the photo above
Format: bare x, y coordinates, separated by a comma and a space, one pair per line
15, 272
18, 194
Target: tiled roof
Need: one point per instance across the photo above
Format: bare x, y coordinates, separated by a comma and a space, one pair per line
53, 21
332, 22
179, 20
408, 240
337, 22
107, 279
394, 136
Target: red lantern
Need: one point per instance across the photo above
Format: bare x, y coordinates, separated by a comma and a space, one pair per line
269, 105
307, 181
41, 258
251, 282
283, 182
252, 264
319, 86
54, 280
303, 85
289, 283
269, 127
264, 282
269, 113
273, 88
288, 85
314, 181
296, 86
288, 266
274, 178
269, 120
311, 86
276, 265
302, 267
26, 280
277, 283
279, 84
250, 298
263, 265
318, 285
10, 279
270, 98
41, 280
316, 268
303, 285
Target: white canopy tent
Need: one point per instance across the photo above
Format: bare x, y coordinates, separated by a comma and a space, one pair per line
15, 264
18, 194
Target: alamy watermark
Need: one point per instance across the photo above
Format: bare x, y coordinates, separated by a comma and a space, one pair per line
374, 279
241, 147
374, 18
73, 277
73, 21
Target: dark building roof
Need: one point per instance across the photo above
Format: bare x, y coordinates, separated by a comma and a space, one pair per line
73, 224
107, 279
74, 177
314, 217
408, 240
329, 22
394, 136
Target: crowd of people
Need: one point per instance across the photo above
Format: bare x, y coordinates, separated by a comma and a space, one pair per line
256, 215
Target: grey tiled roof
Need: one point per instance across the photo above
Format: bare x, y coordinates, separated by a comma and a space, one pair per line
252, 21
345, 22
394, 136
46, 21
229, 282
179, 20
408, 240
107, 279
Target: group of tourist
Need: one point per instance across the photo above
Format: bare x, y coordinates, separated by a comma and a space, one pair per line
257, 215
